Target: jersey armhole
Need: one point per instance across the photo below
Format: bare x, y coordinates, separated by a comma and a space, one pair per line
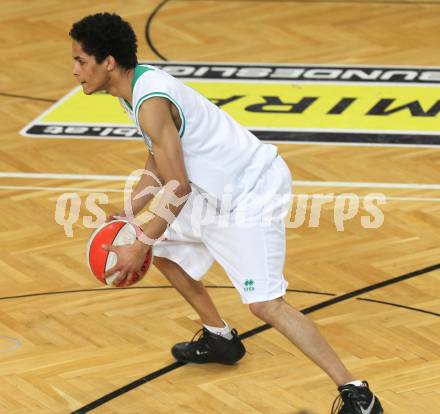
173, 101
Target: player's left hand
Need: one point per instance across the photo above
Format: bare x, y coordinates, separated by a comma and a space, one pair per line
131, 259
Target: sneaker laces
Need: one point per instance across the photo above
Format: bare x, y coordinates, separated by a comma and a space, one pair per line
340, 401
337, 405
200, 340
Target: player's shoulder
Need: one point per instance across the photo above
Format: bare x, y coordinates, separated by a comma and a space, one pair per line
147, 73
149, 79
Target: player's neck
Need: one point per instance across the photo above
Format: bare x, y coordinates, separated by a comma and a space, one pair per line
120, 85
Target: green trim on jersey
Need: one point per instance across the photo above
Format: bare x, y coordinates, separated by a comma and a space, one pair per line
138, 71
163, 95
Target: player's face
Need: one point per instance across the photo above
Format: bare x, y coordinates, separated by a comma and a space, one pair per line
91, 75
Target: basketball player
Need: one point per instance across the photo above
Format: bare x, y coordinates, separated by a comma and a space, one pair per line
212, 158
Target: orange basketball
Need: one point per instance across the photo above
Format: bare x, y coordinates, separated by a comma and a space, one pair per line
116, 233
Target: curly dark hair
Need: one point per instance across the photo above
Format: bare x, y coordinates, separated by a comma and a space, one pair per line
105, 34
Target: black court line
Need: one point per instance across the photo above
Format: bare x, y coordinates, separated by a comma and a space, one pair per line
112, 289
400, 306
33, 98
112, 395
129, 387
164, 2
347, 137
148, 30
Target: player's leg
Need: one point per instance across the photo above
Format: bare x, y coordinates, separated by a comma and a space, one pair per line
257, 273
301, 331
216, 342
184, 260
264, 245
192, 290
356, 397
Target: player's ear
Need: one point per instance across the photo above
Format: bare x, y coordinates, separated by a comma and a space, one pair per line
110, 63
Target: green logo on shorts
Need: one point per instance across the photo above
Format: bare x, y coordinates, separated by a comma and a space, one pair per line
249, 285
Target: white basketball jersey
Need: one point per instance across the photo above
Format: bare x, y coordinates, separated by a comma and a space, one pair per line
220, 155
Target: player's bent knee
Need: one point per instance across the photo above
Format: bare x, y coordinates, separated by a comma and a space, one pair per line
161, 263
172, 271
265, 310
256, 308
167, 267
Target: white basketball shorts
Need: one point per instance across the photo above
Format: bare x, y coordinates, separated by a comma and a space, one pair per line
247, 241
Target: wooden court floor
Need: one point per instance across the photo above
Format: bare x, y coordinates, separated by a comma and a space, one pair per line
66, 342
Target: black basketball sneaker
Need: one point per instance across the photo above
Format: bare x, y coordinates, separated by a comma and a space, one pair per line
208, 347
356, 400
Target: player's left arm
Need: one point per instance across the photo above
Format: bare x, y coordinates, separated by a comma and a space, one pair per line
156, 120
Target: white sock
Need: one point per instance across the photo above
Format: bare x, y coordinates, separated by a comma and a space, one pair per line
356, 383
225, 332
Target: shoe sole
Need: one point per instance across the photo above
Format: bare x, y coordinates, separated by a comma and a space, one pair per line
205, 362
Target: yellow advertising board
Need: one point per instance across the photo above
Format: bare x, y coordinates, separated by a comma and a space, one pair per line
363, 105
